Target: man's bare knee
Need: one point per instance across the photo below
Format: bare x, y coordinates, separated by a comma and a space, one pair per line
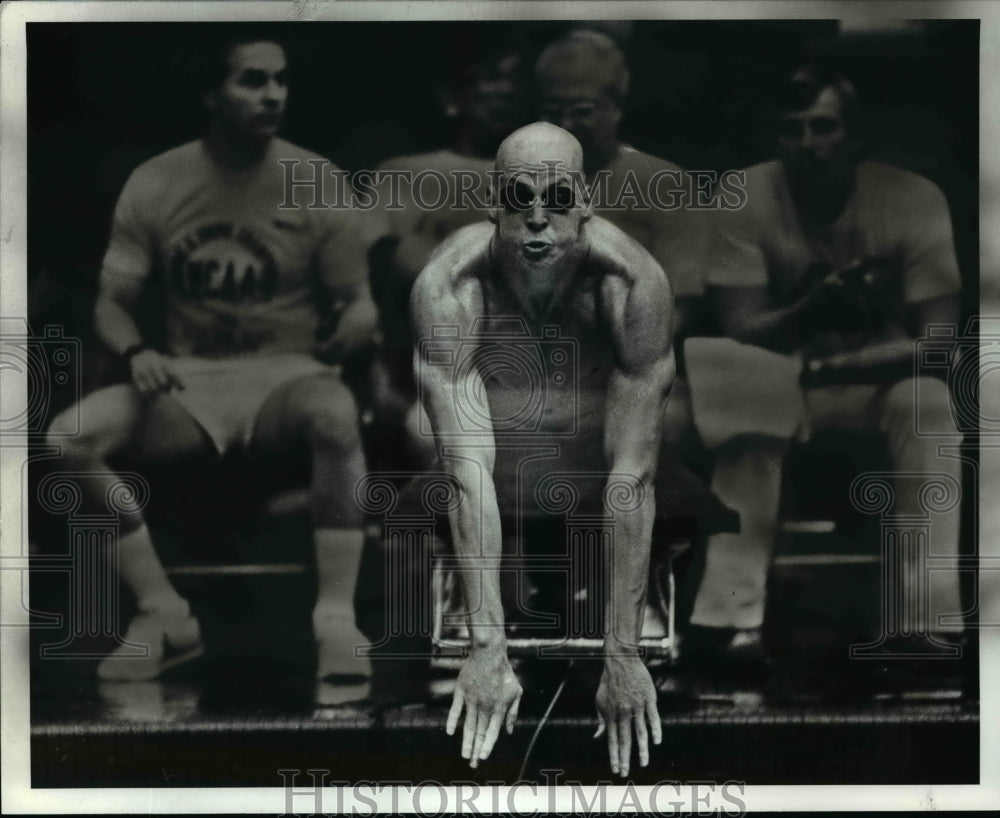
65, 427
330, 415
80, 444
97, 427
927, 396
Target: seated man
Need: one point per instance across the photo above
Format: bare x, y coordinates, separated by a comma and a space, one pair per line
437, 193
839, 264
246, 284
545, 263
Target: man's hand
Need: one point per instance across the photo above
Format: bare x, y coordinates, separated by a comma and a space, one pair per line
153, 373
490, 693
356, 327
627, 696
830, 292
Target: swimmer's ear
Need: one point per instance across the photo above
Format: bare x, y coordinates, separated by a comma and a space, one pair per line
492, 205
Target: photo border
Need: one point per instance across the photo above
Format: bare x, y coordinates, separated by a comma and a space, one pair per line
15, 791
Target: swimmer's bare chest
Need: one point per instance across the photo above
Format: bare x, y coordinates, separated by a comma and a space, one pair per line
554, 379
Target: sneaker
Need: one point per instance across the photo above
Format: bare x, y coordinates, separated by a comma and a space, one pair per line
735, 654
337, 641
169, 640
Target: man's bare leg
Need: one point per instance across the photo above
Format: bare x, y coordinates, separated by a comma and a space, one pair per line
319, 412
112, 422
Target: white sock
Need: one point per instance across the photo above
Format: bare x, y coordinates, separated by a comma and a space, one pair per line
141, 570
338, 557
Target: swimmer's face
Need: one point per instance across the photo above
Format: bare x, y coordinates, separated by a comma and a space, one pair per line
539, 213
813, 143
250, 102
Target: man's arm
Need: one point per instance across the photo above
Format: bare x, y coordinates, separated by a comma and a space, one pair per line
487, 688
885, 360
745, 314
637, 396
921, 226
342, 261
125, 269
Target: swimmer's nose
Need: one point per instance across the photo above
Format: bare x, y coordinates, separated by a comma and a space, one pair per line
537, 217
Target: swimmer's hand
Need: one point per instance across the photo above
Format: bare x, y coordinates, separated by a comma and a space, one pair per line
490, 693
153, 373
626, 697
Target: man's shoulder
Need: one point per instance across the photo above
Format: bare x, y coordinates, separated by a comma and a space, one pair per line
283, 149
765, 190
892, 182
764, 176
617, 254
632, 160
440, 160
170, 164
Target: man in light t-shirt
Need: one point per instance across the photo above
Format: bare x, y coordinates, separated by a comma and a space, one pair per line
838, 264
251, 284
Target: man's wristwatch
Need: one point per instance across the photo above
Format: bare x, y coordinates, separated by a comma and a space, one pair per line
814, 370
134, 350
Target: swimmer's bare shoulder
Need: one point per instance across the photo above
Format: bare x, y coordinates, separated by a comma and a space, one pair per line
636, 293
448, 290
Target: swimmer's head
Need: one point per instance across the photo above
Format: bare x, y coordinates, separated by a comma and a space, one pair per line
540, 201
582, 81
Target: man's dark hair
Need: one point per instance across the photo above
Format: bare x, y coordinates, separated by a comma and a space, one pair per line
802, 87
475, 53
218, 42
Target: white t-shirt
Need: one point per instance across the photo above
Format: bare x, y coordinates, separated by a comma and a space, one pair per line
243, 275
637, 185
893, 215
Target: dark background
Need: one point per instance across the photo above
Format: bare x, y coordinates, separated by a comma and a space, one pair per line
103, 97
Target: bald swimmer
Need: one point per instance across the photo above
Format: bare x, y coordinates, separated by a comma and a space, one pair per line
547, 261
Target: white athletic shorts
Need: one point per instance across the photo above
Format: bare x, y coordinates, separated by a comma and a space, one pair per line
225, 396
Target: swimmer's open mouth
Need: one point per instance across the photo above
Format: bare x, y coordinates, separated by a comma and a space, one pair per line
536, 249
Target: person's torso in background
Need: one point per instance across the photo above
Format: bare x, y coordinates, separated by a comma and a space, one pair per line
879, 230
649, 199
239, 269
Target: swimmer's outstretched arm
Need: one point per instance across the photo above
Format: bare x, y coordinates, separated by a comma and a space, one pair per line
640, 317
487, 688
